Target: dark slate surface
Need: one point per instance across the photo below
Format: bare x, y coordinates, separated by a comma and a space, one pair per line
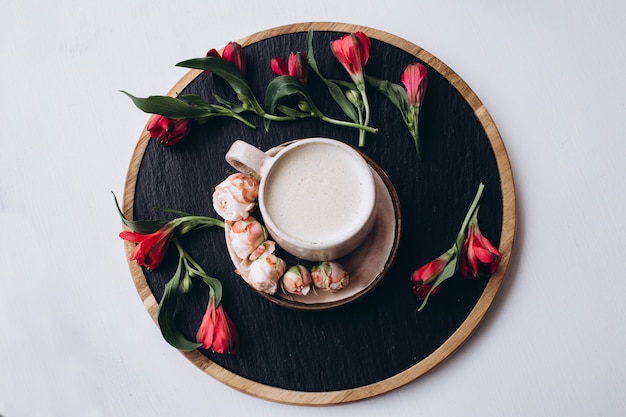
382, 334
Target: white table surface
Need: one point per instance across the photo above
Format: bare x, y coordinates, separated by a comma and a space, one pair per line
75, 339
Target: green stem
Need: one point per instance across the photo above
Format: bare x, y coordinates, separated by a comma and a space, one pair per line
215, 286
362, 138
275, 118
190, 264
243, 120
461, 236
366, 105
181, 250
199, 221
416, 137
362, 127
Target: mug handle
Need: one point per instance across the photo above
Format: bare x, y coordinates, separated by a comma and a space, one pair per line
246, 158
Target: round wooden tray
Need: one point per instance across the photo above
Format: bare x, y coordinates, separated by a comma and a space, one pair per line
377, 343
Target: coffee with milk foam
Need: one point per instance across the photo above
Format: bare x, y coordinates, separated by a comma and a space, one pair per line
318, 193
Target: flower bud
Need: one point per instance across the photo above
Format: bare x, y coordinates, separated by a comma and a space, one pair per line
236, 55
217, 331
297, 67
329, 276
185, 227
266, 248
265, 273
297, 280
213, 52
185, 284
415, 81
167, 131
304, 106
235, 197
424, 277
245, 236
233, 53
354, 97
352, 51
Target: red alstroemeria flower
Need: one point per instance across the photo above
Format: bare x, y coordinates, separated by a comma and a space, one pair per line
167, 131
213, 52
352, 51
151, 248
217, 331
297, 67
424, 277
480, 257
415, 81
233, 53
421, 290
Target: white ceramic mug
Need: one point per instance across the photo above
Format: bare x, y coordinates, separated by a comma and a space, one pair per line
317, 196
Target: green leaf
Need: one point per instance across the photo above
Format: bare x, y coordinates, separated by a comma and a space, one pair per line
471, 212
448, 271
347, 84
168, 106
173, 211
293, 112
333, 88
285, 86
215, 286
139, 226
398, 97
230, 74
234, 107
194, 100
166, 315
340, 98
194, 268
394, 92
187, 224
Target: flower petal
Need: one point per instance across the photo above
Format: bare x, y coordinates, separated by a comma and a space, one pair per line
279, 66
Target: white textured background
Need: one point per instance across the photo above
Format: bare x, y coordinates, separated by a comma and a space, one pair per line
75, 339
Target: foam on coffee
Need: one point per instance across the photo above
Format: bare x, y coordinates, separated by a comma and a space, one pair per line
318, 193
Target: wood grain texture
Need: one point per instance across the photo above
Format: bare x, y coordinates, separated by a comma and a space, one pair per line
430, 227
